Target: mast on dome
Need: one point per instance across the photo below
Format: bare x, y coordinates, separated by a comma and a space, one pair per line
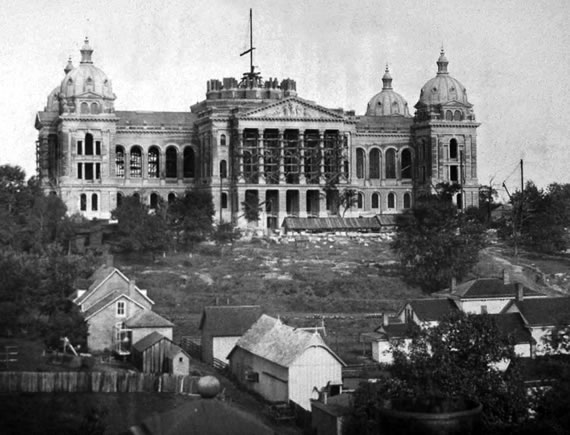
250, 79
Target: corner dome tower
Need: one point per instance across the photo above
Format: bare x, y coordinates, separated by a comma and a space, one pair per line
387, 102
444, 92
86, 89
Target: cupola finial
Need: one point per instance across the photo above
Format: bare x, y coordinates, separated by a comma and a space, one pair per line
86, 52
69, 66
442, 62
387, 79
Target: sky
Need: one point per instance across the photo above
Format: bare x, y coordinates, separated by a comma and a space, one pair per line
512, 56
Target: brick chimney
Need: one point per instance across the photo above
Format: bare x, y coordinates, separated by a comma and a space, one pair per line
452, 284
109, 261
519, 291
385, 319
506, 277
132, 285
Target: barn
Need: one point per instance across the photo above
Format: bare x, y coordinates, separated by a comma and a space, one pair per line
284, 364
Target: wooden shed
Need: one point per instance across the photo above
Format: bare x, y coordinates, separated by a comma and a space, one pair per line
156, 353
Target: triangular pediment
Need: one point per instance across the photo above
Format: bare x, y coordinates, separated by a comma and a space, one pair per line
89, 94
293, 108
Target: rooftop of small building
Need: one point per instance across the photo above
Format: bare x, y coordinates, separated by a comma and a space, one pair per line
547, 311
430, 310
485, 288
228, 320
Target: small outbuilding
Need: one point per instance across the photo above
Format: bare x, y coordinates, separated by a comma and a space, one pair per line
221, 328
284, 364
156, 353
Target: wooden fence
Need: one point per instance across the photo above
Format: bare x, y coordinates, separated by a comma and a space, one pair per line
190, 345
96, 382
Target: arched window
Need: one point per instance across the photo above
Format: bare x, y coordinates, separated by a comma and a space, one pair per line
375, 200
360, 201
359, 163
94, 108
223, 169
189, 163
407, 200
406, 169
391, 163
137, 196
83, 202
94, 202
171, 197
119, 199
448, 115
375, 164
88, 144
153, 163
119, 161
136, 162
457, 115
453, 149
223, 140
171, 162
395, 108
224, 200
84, 108
153, 201
391, 200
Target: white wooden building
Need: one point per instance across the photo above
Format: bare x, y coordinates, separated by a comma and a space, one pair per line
282, 363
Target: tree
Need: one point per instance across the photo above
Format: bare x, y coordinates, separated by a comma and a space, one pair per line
436, 243
455, 360
139, 228
539, 218
251, 207
191, 217
226, 232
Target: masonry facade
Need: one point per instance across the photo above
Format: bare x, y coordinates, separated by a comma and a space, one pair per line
256, 145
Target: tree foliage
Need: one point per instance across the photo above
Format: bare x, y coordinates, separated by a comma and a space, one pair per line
539, 218
456, 360
191, 217
139, 228
436, 243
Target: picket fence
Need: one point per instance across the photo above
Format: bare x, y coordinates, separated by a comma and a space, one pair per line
96, 382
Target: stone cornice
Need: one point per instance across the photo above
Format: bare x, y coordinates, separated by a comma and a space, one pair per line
445, 124
88, 118
146, 130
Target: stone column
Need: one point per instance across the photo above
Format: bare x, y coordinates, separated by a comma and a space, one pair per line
261, 161
322, 179
180, 166
281, 161
301, 143
302, 203
240, 177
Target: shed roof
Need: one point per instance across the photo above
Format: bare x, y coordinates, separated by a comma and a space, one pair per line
395, 330
148, 341
229, 321
274, 341
429, 310
147, 319
174, 351
543, 311
331, 224
485, 288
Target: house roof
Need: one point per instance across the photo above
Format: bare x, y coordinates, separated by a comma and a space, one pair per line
485, 288
203, 416
174, 351
337, 406
394, 330
544, 369
429, 310
109, 299
331, 224
102, 274
543, 311
147, 319
148, 341
274, 341
229, 321
512, 324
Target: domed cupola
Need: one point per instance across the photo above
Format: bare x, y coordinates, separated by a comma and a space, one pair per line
387, 102
443, 96
86, 89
